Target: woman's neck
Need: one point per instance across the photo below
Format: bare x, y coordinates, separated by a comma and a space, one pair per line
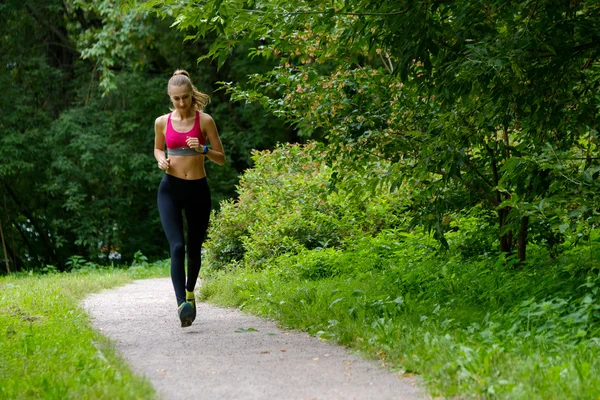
186, 114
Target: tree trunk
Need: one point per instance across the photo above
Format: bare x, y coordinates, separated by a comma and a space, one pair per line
16, 262
505, 239
4, 248
503, 244
523, 231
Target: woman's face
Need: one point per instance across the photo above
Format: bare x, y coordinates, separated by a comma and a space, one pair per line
181, 97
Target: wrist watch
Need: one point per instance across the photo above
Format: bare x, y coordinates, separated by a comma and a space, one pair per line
205, 149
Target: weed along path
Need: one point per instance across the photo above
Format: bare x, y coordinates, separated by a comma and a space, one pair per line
227, 354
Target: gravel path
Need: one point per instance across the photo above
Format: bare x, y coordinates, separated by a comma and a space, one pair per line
219, 357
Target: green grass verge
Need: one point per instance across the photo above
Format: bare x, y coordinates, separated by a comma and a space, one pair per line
472, 328
48, 349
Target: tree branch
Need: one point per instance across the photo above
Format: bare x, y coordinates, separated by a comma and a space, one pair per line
357, 14
35, 13
478, 173
389, 67
574, 50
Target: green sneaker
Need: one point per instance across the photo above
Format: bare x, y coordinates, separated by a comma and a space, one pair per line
186, 313
189, 298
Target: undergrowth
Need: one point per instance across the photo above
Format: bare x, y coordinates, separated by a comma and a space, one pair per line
48, 349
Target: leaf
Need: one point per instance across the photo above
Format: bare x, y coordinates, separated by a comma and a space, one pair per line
563, 228
587, 175
336, 301
541, 205
244, 330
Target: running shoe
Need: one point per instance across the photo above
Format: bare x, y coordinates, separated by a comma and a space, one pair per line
187, 313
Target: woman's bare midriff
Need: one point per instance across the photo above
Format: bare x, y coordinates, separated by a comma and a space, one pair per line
187, 167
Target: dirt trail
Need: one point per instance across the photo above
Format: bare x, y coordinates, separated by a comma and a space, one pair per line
219, 357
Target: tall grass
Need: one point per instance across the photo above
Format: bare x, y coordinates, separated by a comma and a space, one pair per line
472, 327
48, 349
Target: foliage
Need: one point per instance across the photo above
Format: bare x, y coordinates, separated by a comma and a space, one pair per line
100, 172
112, 37
489, 103
468, 326
285, 204
139, 259
78, 109
48, 348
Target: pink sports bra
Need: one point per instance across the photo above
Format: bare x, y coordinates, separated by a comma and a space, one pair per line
176, 140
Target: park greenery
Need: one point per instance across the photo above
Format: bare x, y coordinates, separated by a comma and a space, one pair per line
492, 103
49, 350
432, 201
82, 83
471, 320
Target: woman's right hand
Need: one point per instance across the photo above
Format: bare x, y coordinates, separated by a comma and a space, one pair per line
164, 164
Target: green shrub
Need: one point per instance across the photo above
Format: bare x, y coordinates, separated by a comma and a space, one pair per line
476, 233
286, 204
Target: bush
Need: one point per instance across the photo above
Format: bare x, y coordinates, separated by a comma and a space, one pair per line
476, 233
286, 204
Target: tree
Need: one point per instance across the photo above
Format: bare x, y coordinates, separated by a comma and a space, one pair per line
488, 102
82, 84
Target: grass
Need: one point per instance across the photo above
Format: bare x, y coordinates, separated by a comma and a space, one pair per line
49, 350
471, 327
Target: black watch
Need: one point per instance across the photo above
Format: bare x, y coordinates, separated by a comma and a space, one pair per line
205, 149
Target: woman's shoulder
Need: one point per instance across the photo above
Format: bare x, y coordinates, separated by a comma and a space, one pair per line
204, 117
207, 124
162, 120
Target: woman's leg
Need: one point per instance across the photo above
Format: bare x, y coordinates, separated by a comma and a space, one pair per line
197, 213
172, 222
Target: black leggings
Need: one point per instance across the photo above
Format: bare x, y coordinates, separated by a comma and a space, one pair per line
193, 197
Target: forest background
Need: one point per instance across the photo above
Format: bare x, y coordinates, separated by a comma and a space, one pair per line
492, 106
438, 205
82, 83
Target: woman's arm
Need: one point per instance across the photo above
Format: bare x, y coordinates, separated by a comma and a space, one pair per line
216, 153
159, 143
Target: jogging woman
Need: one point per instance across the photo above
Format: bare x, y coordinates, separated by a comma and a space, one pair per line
187, 133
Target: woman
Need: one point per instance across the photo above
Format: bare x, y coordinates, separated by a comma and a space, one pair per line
186, 131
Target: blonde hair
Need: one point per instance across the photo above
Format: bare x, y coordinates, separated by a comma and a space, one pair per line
182, 77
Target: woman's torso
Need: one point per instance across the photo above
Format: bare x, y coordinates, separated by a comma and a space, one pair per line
184, 167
